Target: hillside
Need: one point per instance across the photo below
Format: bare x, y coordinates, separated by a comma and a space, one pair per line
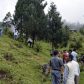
20, 64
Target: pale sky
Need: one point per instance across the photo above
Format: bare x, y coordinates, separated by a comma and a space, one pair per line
70, 10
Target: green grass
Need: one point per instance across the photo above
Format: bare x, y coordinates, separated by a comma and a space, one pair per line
82, 78
25, 67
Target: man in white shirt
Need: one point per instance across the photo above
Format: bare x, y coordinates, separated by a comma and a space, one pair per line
74, 54
69, 76
76, 71
72, 71
30, 41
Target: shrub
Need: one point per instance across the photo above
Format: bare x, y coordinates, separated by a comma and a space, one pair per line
8, 32
5, 74
9, 56
18, 44
37, 47
76, 44
82, 31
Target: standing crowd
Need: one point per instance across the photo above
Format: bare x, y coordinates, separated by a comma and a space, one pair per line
64, 65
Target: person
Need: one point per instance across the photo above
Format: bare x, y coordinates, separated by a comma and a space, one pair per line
71, 75
74, 54
15, 34
70, 51
65, 55
30, 41
76, 71
70, 72
56, 66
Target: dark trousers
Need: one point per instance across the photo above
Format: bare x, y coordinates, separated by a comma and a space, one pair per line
76, 79
56, 77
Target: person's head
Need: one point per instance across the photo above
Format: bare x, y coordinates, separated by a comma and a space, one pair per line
70, 51
69, 58
60, 54
66, 56
55, 52
74, 49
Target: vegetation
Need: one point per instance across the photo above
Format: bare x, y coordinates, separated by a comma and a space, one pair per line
55, 25
20, 64
30, 18
7, 20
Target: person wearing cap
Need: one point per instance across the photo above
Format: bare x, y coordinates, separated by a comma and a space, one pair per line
56, 65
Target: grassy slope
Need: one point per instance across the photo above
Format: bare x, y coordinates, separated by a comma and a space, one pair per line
25, 68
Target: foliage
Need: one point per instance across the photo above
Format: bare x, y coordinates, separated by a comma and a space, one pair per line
25, 68
31, 21
25, 64
82, 30
76, 40
19, 45
55, 25
76, 45
37, 47
8, 32
7, 20
65, 36
29, 18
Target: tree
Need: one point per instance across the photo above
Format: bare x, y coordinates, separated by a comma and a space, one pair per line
65, 35
55, 25
82, 30
7, 20
30, 18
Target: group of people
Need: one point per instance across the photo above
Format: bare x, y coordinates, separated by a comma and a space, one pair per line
64, 65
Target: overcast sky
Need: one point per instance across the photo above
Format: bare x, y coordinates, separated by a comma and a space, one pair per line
70, 10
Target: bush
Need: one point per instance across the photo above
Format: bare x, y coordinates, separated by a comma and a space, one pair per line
82, 31
8, 32
5, 74
76, 44
18, 44
37, 47
9, 56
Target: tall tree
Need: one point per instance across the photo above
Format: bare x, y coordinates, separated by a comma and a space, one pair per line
30, 17
7, 20
55, 25
65, 35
